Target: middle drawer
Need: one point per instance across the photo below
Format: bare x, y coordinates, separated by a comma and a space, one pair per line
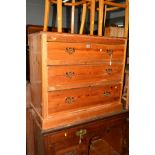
74, 76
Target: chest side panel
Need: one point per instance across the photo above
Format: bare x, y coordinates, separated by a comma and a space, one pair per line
36, 72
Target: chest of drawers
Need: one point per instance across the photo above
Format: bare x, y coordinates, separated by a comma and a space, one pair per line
75, 78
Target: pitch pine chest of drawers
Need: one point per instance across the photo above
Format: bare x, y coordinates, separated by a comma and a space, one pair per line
75, 78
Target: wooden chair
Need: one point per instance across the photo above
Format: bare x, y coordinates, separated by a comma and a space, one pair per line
125, 94
59, 4
103, 9
59, 14
91, 6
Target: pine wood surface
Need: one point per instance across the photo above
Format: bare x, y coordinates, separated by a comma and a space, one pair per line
35, 72
85, 66
100, 17
85, 97
83, 18
83, 53
75, 76
76, 38
67, 118
92, 16
46, 15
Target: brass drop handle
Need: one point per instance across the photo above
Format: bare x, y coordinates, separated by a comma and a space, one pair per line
109, 70
69, 100
70, 50
80, 134
106, 93
109, 52
69, 74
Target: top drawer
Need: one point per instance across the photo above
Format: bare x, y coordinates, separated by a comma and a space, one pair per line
83, 53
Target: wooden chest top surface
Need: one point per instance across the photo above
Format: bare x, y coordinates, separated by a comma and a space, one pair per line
67, 37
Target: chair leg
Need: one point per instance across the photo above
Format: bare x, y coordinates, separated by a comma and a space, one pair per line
127, 99
59, 15
92, 16
46, 14
73, 17
83, 18
126, 27
127, 96
100, 19
105, 15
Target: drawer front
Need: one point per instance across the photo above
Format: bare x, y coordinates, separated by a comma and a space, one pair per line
68, 151
83, 53
64, 100
93, 131
67, 140
69, 148
73, 76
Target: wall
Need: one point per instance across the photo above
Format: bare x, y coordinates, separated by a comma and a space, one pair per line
117, 17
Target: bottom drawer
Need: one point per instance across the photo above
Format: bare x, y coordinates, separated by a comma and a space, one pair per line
64, 100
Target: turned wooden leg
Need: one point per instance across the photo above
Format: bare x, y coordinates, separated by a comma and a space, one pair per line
83, 18
105, 15
59, 15
100, 18
126, 27
92, 16
72, 17
46, 14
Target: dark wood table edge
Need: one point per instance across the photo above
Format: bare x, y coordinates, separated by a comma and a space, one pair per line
85, 122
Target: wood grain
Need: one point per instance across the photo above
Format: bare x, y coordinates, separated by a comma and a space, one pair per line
44, 75
83, 53
123, 73
67, 100
92, 16
72, 17
46, 14
126, 19
59, 15
100, 17
74, 76
76, 38
83, 18
75, 68
67, 118
35, 71
115, 4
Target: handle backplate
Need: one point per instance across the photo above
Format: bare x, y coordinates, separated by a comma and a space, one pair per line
106, 93
109, 52
69, 74
70, 50
109, 70
69, 100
